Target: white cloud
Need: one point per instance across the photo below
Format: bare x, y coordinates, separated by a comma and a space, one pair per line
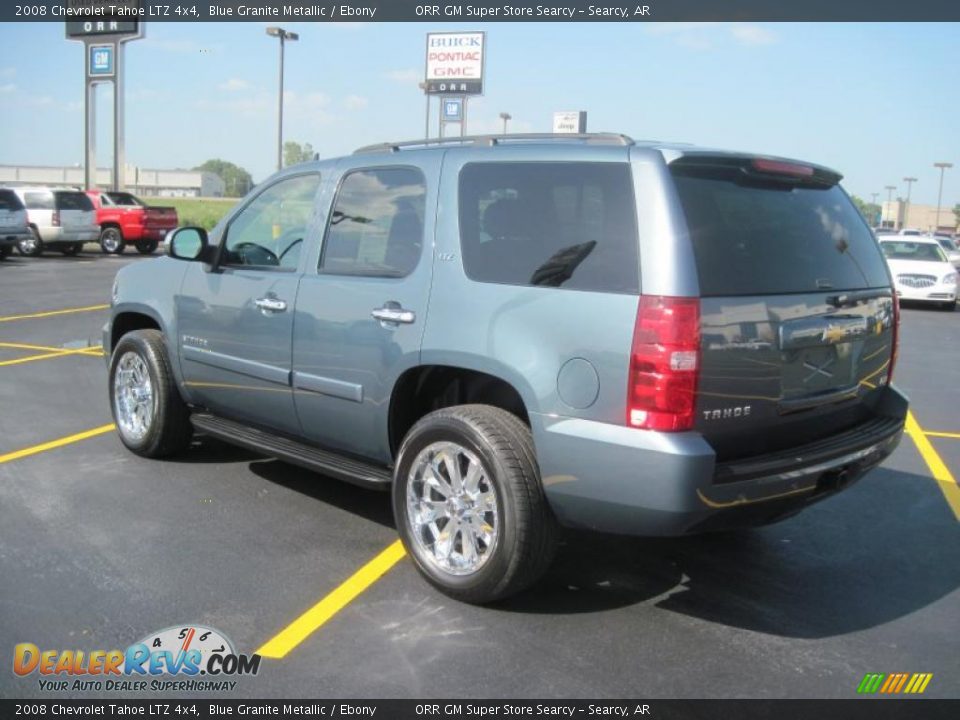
8, 88
405, 77
355, 102
753, 35
234, 84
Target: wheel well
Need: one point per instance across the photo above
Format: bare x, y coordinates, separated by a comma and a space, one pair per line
111, 224
423, 389
128, 322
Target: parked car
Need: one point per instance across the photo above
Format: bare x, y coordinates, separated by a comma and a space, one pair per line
921, 271
125, 219
950, 248
518, 334
13, 222
59, 220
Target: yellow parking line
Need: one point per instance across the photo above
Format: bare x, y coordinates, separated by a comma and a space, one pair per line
47, 356
939, 470
53, 444
48, 313
930, 433
308, 623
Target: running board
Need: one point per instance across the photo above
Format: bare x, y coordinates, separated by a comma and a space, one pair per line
322, 461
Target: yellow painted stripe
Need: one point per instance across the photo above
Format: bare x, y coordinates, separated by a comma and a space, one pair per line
931, 433
308, 623
926, 681
939, 470
47, 356
912, 684
60, 442
50, 313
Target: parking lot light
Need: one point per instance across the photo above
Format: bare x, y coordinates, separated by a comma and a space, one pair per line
890, 189
943, 166
284, 35
505, 116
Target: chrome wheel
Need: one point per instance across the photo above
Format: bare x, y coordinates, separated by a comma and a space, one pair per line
133, 397
110, 240
30, 245
452, 508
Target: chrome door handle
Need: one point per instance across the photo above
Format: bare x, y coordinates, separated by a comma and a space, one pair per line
394, 315
270, 305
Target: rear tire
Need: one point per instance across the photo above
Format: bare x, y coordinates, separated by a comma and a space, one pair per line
111, 241
467, 480
151, 417
146, 247
32, 246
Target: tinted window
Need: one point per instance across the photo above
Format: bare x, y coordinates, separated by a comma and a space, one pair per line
119, 198
753, 238
38, 200
570, 225
73, 201
269, 232
10, 201
376, 227
900, 250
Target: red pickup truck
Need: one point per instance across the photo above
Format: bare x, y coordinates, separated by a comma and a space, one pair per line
124, 219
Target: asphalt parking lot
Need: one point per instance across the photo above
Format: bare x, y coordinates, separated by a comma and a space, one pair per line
98, 548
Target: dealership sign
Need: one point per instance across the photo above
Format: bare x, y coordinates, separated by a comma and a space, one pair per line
455, 63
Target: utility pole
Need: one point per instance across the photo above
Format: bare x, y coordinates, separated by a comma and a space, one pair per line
943, 166
906, 209
506, 117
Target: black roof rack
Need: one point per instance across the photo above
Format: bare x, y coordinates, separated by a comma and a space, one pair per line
492, 140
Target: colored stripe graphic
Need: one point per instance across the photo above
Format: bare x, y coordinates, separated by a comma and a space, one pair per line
894, 683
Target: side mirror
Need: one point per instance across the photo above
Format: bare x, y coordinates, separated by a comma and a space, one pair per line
188, 243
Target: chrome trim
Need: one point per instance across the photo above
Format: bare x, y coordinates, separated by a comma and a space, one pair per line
393, 315
328, 386
250, 368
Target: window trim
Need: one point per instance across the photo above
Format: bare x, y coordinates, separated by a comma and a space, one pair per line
224, 236
333, 204
633, 194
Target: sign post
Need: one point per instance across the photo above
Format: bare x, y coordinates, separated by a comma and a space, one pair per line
103, 43
454, 71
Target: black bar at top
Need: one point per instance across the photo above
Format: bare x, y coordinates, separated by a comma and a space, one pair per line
474, 11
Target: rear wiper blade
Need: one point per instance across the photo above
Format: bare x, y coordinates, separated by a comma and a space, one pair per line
849, 299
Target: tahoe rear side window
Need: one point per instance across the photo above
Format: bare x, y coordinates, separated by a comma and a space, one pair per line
550, 224
753, 236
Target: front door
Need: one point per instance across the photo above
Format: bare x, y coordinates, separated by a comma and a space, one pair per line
235, 325
362, 309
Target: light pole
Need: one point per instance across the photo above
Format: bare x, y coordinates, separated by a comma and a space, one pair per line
890, 189
906, 210
505, 116
943, 166
873, 199
284, 35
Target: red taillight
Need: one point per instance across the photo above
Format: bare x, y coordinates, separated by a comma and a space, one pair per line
778, 167
894, 337
664, 361
55, 218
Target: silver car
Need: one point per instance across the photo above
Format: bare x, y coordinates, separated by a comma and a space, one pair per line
60, 219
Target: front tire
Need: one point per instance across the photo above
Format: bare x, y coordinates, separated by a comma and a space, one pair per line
469, 505
111, 241
151, 417
31, 246
146, 247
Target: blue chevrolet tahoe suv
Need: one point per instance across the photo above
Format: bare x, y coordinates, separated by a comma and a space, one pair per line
522, 333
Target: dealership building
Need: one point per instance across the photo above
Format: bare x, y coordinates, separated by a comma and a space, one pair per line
140, 181
898, 214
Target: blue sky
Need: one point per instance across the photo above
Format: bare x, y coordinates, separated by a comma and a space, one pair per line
875, 101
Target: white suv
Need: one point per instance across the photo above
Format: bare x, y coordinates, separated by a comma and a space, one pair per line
60, 219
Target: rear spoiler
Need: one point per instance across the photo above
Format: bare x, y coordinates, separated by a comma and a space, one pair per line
759, 168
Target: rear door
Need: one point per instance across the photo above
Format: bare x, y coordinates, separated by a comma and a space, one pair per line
77, 214
12, 215
797, 312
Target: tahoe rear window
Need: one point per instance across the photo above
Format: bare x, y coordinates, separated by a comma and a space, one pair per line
765, 237
73, 201
551, 224
9, 201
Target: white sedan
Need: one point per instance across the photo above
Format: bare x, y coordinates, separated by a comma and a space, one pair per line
921, 270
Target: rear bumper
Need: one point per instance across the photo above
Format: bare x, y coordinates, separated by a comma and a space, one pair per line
9, 238
617, 479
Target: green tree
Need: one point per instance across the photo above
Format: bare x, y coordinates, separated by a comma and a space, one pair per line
294, 152
870, 211
956, 213
237, 181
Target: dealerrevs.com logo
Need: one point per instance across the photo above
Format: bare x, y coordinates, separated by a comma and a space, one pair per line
200, 658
